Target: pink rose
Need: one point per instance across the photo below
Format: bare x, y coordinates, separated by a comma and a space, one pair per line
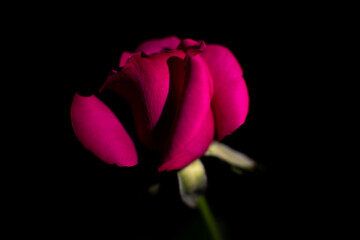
182, 94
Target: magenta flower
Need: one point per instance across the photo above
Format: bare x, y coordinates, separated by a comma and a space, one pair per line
182, 94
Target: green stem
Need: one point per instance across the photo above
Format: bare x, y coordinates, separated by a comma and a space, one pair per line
209, 218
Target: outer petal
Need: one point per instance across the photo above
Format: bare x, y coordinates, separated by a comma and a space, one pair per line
194, 149
157, 45
192, 129
100, 131
231, 100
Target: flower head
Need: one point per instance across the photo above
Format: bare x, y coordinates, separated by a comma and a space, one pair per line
182, 94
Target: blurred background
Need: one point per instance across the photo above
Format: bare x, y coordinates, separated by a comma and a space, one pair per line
73, 193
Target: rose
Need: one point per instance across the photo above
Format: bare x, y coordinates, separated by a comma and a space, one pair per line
182, 94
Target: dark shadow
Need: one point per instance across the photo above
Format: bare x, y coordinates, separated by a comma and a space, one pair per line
148, 160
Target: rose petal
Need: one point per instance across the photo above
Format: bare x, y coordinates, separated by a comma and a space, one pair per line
194, 149
191, 114
144, 83
192, 47
231, 100
100, 131
124, 58
158, 45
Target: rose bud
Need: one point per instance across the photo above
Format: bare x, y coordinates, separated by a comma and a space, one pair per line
183, 94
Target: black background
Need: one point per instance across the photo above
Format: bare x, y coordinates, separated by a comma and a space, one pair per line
71, 192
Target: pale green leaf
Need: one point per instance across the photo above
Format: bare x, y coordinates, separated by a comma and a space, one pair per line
229, 155
192, 182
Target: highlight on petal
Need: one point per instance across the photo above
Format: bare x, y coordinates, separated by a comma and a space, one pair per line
230, 102
101, 132
158, 45
193, 126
